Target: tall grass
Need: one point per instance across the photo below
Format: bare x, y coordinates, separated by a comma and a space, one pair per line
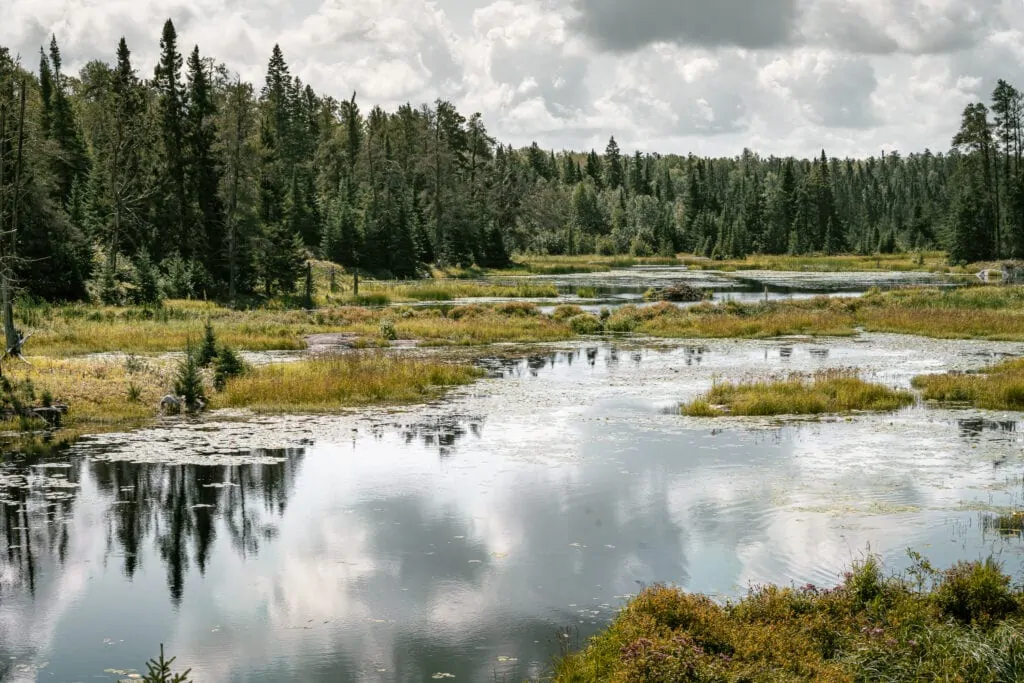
101, 394
963, 624
826, 391
330, 383
1000, 387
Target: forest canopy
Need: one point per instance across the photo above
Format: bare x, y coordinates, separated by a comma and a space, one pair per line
193, 183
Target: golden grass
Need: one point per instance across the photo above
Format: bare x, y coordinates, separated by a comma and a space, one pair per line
331, 383
981, 312
826, 391
99, 392
1000, 387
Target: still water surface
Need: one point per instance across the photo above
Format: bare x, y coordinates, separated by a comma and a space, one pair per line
466, 537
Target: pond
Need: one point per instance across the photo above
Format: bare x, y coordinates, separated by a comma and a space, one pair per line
624, 286
478, 536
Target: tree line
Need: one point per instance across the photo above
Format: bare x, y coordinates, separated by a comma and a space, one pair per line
195, 183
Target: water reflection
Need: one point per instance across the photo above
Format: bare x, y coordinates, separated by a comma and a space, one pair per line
174, 506
462, 538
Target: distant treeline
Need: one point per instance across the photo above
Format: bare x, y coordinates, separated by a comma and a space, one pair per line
195, 183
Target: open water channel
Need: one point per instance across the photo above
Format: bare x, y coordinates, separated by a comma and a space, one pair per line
473, 538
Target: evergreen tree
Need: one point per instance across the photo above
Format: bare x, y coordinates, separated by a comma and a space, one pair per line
203, 175
173, 215
614, 174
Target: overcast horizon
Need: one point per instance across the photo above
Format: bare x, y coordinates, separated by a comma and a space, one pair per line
782, 77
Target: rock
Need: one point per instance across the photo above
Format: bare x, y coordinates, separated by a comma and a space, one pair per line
678, 292
171, 405
1013, 272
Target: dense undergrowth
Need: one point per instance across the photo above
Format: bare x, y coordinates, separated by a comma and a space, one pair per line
964, 624
826, 391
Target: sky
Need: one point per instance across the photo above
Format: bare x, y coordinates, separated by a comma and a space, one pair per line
711, 77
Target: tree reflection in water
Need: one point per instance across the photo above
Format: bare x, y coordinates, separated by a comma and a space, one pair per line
180, 508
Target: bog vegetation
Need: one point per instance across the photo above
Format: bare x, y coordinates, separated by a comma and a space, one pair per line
963, 624
355, 379
1000, 387
826, 391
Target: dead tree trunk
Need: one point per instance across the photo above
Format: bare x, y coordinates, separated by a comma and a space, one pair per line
11, 335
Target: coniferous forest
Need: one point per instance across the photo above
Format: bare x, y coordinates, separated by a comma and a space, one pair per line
189, 182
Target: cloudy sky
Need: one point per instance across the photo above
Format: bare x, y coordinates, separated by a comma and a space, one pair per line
707, 76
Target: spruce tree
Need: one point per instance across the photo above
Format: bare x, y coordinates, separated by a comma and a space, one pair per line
614, 174
173, 218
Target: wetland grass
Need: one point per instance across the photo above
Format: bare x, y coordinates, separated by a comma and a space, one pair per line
826, 391
1000, 387
981, 312
1009, 524
328, 384
933, 261
963, 624
102, 394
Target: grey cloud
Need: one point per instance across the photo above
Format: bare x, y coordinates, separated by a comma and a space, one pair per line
875, 27
908, 26
624, 25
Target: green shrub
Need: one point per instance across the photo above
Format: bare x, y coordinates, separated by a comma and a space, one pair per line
566, 312
606, 246
864, 581
976, 592
585, 324
387, 329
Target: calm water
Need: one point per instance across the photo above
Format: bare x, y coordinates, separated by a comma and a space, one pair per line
468, 536
617, 288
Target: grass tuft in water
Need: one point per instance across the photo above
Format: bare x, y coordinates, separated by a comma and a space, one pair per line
1001, 387
1010, 524
353, 379
963, 624
826, 391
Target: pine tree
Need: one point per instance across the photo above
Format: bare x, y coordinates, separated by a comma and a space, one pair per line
614, 174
